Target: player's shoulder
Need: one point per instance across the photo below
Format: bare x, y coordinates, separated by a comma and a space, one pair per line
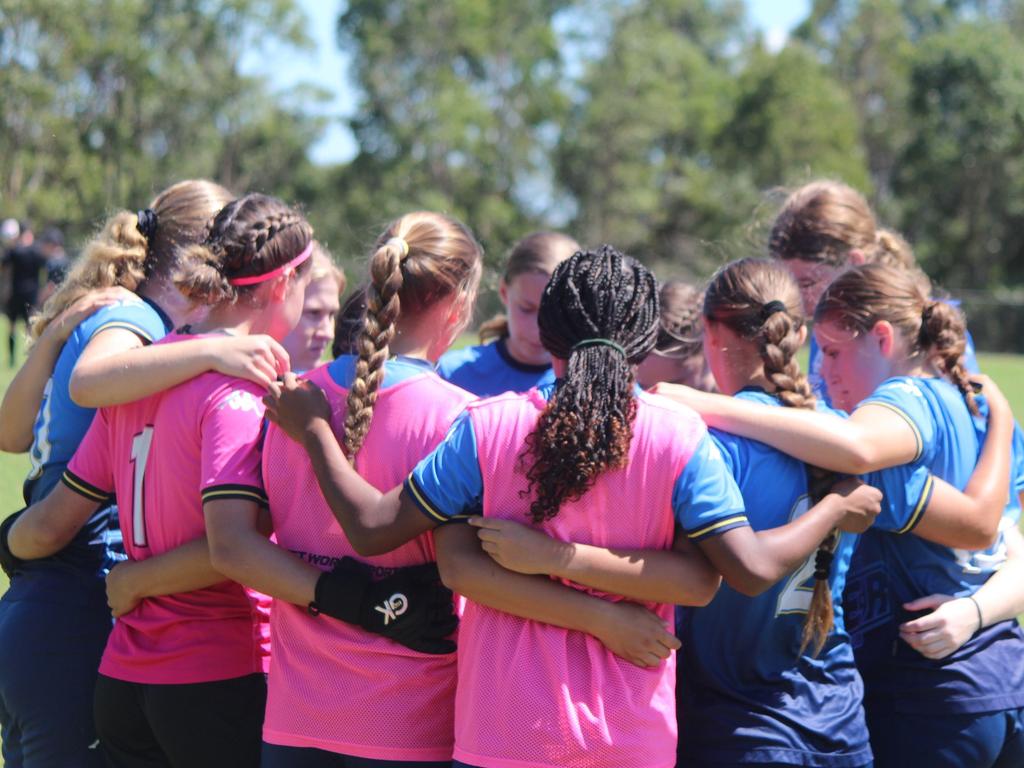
455, 359
666, 407
131, 314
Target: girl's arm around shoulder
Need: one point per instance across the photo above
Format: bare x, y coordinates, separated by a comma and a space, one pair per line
626, 629
971, 520
872, 438
681, 576
753, 561
114, 369
24, 395
373, 522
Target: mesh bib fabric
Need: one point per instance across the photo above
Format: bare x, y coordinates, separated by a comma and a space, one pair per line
333, 686
534, 695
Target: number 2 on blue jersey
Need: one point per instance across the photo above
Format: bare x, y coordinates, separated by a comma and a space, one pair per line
796, 596
141, 444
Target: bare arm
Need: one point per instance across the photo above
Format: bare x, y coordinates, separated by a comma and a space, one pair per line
970, 520
626, 629
24, 395
112, 370
182, 569
243, 553
681, 576
954, 620
374, 522
49, 525
872, 438
752, 561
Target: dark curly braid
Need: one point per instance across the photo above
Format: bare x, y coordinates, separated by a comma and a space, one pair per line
250, 236
758, 300
599, 313
419, 260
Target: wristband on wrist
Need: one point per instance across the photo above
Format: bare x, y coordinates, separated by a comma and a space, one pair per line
977, 607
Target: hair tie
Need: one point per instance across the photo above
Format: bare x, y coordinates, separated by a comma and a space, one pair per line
254, 279
823, 563
771, 308
147, 223
399, 243
598, 342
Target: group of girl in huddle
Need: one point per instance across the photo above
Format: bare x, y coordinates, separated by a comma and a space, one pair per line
293, 544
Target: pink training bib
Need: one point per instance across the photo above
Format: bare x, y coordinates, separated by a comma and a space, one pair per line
332, 685
531, 695
164, 456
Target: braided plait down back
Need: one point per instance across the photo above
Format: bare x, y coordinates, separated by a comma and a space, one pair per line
383, 306
759, 301
778, 342
420, 259
586, 427
944, 334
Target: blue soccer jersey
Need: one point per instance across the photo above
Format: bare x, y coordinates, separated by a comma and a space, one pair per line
746, 693
987, 673
60, 427
489, 369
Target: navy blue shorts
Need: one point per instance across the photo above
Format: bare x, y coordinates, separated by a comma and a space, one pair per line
47, 676
276, 756
989, 740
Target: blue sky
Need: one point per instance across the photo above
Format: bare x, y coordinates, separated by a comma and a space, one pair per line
326, 67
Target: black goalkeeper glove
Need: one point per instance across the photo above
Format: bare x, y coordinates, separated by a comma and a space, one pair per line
8, 561
411, 606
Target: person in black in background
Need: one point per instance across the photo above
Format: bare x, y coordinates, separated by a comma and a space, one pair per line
22, 265
51, 244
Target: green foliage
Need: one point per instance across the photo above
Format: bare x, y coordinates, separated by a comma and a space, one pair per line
961, 177
106, 103
458, 101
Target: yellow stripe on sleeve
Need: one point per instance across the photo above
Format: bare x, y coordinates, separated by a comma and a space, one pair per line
423, 503
83, 489
922, 503
903, 414
720, 524
126, 326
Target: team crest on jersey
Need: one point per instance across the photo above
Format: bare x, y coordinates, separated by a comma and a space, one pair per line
240, 400
906, 387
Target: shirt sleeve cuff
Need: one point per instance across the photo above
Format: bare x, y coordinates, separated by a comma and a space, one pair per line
718, 527
84, 488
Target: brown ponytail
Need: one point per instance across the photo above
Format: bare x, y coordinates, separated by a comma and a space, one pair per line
419, 260
824, 220
538, 252
759, 301
120, 255
944, 333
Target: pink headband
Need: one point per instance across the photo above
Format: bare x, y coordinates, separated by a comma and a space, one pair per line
253, 279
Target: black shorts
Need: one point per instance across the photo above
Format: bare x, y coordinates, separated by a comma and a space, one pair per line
193, 725
19, 305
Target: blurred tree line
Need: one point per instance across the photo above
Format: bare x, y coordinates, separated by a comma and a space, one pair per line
667, 127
